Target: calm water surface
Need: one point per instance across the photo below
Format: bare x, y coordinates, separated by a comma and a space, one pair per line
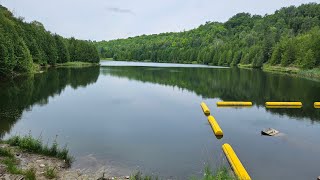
148, 118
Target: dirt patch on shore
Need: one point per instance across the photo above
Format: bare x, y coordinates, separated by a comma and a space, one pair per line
40, 164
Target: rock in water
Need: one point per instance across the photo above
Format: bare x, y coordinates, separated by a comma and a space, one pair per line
269, 132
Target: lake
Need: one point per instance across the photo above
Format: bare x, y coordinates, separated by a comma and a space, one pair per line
127, 117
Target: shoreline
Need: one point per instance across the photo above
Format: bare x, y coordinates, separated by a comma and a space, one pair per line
312, 74
24, 157
44, 167
36, 69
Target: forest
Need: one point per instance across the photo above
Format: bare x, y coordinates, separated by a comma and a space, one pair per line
290, 37
24, 46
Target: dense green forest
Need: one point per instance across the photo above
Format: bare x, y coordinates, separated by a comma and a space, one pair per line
24, 44
289, 37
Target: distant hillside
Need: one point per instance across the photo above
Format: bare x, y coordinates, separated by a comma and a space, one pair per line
24, 44
289, 37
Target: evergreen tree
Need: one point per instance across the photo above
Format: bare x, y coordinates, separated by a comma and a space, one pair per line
309, 61
63, 53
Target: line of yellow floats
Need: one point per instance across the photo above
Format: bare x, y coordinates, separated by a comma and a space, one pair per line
267, 104
233, 159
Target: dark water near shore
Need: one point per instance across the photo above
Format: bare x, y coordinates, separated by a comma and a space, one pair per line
130, 118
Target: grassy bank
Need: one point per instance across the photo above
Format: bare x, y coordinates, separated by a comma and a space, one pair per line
280, 69
36, 68
7, 158
76, 64
245, 66
29, 144
107, 59
306, 73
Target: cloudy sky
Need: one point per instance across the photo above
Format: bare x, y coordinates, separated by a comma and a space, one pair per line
112, 19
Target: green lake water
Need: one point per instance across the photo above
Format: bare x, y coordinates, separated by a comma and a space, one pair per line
146, 116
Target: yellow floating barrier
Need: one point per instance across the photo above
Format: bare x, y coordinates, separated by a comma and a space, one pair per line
316, 104
215, 126
283, 107
283, 104
205, 109
235, 163
233, 103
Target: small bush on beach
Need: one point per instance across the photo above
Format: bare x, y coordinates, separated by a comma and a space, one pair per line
50, 173
221, 173
6, 152
139, 176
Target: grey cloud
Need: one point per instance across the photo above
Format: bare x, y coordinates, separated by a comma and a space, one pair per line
119, 10
113, 19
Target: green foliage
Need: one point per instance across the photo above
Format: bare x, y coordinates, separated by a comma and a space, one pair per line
6, 152
11, 167
220, 174
140, 176
30, 144
30, 174
289, 54
280, 38
22, 44
50, 173
309, 60
63, 52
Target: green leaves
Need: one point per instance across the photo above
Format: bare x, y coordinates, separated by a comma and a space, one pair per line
22, 44
282, 38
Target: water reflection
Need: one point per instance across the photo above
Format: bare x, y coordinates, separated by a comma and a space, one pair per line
233, 85
24, 92
129, 118
227, 84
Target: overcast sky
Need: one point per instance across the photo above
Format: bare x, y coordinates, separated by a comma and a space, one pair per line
112, 19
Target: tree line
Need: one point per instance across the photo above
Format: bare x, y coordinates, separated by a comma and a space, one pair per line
288, 37
23, 44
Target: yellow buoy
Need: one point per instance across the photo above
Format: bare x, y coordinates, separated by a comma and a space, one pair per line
283, 104
283, 107
233, 103
215, 126
316, 104
205, 109
235, 163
